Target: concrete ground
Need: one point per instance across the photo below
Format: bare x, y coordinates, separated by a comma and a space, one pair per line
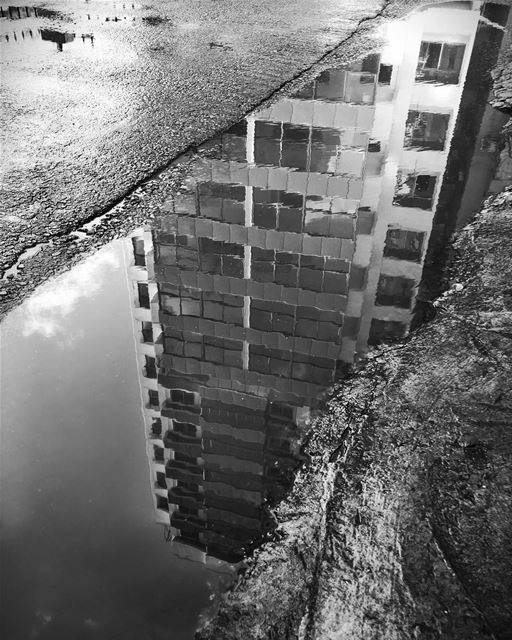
133, 86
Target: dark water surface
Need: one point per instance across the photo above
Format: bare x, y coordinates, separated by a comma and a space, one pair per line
171, 376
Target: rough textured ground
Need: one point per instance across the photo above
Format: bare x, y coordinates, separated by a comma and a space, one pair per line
502, 77
400, 526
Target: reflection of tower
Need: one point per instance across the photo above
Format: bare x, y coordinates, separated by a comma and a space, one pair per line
240, 295
59, 37
299, 239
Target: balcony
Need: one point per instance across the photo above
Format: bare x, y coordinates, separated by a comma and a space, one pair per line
188, 446
187, 523
184, 471
184, 498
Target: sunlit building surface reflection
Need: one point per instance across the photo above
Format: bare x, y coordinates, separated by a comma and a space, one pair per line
297, 242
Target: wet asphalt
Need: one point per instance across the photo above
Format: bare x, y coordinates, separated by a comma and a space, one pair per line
97, 96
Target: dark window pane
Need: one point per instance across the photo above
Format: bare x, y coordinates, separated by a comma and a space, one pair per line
138, 252
150, 367
156, 427
147, 332
415, 190
426, 130
265, 216
159, 453
143, 292
394, 291
179, 396
385, 72
154, 401
440, 62
405, 245
162, 503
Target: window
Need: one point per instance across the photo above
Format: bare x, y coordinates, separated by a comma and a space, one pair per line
394, 291
221, 258
156, 427
294, 146
159, 453
385, 330
370, 64
303, 147
426, 130
150, 368
188, 486
385, 73
138, 252
177, 251
365, 221
205, 348
440, 62
142, 289
202, 304
313, 273
181, 457
147, 332
281, 411
184, 428
179, 396
404, 245
415, 190
160, 480
162, 503
154, 401
267, 143
233, 142
374, 146
496, 12
224, 202
304, 322
286, 364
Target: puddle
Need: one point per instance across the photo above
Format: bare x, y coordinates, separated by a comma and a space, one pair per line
26, 255
296, 243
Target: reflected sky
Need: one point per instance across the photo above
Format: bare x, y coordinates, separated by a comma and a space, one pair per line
81, 556
172, 375
47, 311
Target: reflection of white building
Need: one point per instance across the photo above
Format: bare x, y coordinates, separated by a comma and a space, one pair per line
285, 255
425, 62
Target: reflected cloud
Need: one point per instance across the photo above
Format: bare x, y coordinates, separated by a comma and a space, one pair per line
46, 311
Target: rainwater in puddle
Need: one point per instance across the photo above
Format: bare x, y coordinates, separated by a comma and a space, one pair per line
154, 397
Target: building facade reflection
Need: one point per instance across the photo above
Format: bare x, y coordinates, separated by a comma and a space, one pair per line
297, 241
